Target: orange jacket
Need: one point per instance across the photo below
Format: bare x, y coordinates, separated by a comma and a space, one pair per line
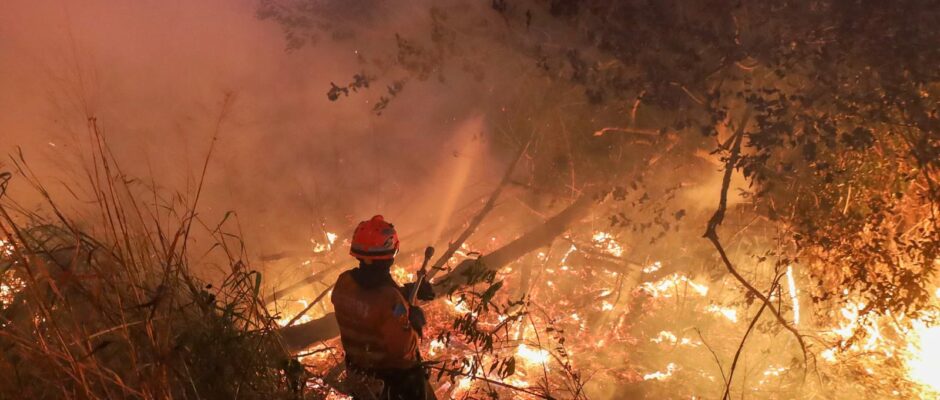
373, 325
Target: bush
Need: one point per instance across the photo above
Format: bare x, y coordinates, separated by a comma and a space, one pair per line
115, 311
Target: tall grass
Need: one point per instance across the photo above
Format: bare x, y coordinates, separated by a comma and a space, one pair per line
108, 307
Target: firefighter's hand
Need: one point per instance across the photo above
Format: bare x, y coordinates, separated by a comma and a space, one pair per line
418, 321
425, 291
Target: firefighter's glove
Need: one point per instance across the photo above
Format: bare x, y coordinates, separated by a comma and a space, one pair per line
418, 321
425, 291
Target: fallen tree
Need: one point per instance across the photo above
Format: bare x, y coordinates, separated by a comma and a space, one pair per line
301, 336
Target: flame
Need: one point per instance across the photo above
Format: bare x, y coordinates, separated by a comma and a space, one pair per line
796, 302
10, 285
664, 336
606, 242
731, 314
287, 316
918, 347
564, 259
924, 364
661, 375
671, 339
531, 355
434, 347
649, 269
464, 383
666, 287
320, 247
401, 275
771, 372
460, 307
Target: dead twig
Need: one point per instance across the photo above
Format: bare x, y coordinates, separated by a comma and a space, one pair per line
714, 355
750, 327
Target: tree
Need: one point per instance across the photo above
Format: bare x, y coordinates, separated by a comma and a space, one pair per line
841, 151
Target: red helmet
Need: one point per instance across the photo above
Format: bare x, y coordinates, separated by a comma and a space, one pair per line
374, 239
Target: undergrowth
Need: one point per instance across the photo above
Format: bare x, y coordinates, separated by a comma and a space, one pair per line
112, 308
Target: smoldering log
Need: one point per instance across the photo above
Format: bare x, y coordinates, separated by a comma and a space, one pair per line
301, 336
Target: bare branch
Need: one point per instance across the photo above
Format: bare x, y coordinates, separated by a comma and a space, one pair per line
719, 216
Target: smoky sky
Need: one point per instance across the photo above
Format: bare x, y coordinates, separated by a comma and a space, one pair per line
156, 74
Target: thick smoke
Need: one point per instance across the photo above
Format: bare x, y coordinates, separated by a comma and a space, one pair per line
159, 75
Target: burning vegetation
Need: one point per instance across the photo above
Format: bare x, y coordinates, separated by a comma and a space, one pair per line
645, 200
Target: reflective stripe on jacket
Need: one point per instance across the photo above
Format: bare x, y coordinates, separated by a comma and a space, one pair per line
373, 325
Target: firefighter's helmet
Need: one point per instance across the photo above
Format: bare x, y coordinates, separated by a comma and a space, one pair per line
374, 239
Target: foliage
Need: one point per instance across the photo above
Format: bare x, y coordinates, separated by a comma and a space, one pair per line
843, 153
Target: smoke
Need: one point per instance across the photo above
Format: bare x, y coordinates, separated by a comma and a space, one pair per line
164, 77
156, 74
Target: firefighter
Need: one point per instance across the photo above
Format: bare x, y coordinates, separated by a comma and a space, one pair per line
379, 330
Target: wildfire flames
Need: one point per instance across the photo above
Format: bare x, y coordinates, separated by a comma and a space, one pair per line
582, 318
594, 310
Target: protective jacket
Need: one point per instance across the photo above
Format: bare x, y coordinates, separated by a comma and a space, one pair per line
373, 321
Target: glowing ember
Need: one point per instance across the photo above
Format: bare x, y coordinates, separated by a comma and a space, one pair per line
6, 249
10, 285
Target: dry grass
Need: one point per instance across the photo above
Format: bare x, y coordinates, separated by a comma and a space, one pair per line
114, 310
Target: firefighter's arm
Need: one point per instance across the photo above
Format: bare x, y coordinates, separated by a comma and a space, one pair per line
400, 340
